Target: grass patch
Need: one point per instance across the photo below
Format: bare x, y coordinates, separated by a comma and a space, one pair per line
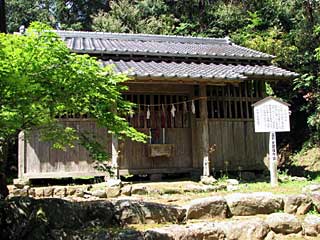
173, 193
283, 188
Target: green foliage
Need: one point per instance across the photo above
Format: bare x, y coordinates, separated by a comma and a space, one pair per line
103, 22
269, 90
309, 85
40, 80
313, 211
142, 17
224, 18
74, 14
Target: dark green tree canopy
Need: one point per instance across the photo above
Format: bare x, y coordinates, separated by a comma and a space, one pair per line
69, 14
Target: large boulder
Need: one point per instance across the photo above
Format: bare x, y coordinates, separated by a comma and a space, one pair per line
99, 193
210, 207
126, 190
283, 223
139, 190
311, 225
28, 218
297, 204
129, 234
64, 214
83, 234
97, 234
208, 180
254, 229
315, 196
134, 212
232, 181
98, 212
16, 220
199, 231
311, 188
244, 204
113, 192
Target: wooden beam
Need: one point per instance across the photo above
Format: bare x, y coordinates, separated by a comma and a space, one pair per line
204, 144
54, 175
155, 170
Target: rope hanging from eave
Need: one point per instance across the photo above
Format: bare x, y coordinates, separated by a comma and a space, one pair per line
170, 104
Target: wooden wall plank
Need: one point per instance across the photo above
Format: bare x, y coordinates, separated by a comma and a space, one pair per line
237, 144
137, 158
42, 158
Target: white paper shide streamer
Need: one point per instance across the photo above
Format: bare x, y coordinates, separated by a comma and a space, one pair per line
193, 108
173, 111
148, 113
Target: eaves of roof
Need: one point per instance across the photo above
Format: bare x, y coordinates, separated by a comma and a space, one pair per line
194, 71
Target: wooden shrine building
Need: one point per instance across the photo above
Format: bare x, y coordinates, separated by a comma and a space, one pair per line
193, 94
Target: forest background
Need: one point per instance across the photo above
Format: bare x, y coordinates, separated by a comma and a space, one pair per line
288, 29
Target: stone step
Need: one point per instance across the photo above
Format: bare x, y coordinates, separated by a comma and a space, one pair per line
274, 226
247, 204
55, 218
128, 211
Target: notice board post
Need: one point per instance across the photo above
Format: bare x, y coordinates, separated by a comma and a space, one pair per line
272, 115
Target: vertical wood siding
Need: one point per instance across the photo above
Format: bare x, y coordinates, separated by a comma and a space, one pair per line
230, 128
237, 145
135, 157
42, 158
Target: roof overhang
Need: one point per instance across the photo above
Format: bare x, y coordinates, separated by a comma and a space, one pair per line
210, 73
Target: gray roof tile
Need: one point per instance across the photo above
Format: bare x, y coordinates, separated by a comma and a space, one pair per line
157, 45
196, 70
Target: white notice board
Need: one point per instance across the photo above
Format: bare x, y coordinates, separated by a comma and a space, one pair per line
271, 115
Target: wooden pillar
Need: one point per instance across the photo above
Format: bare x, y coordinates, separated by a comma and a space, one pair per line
115, 155
204, 144
21, 154
194, 136
273, 159
115, 150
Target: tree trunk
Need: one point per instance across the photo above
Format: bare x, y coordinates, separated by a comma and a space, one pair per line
202, 6
3, 25
3, 154
4, 192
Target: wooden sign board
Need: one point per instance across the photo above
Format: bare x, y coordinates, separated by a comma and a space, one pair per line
271, 115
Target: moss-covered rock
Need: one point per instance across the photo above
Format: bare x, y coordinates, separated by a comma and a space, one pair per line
28, 218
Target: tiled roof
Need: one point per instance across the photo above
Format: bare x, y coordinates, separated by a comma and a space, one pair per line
210, 71
157, 45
